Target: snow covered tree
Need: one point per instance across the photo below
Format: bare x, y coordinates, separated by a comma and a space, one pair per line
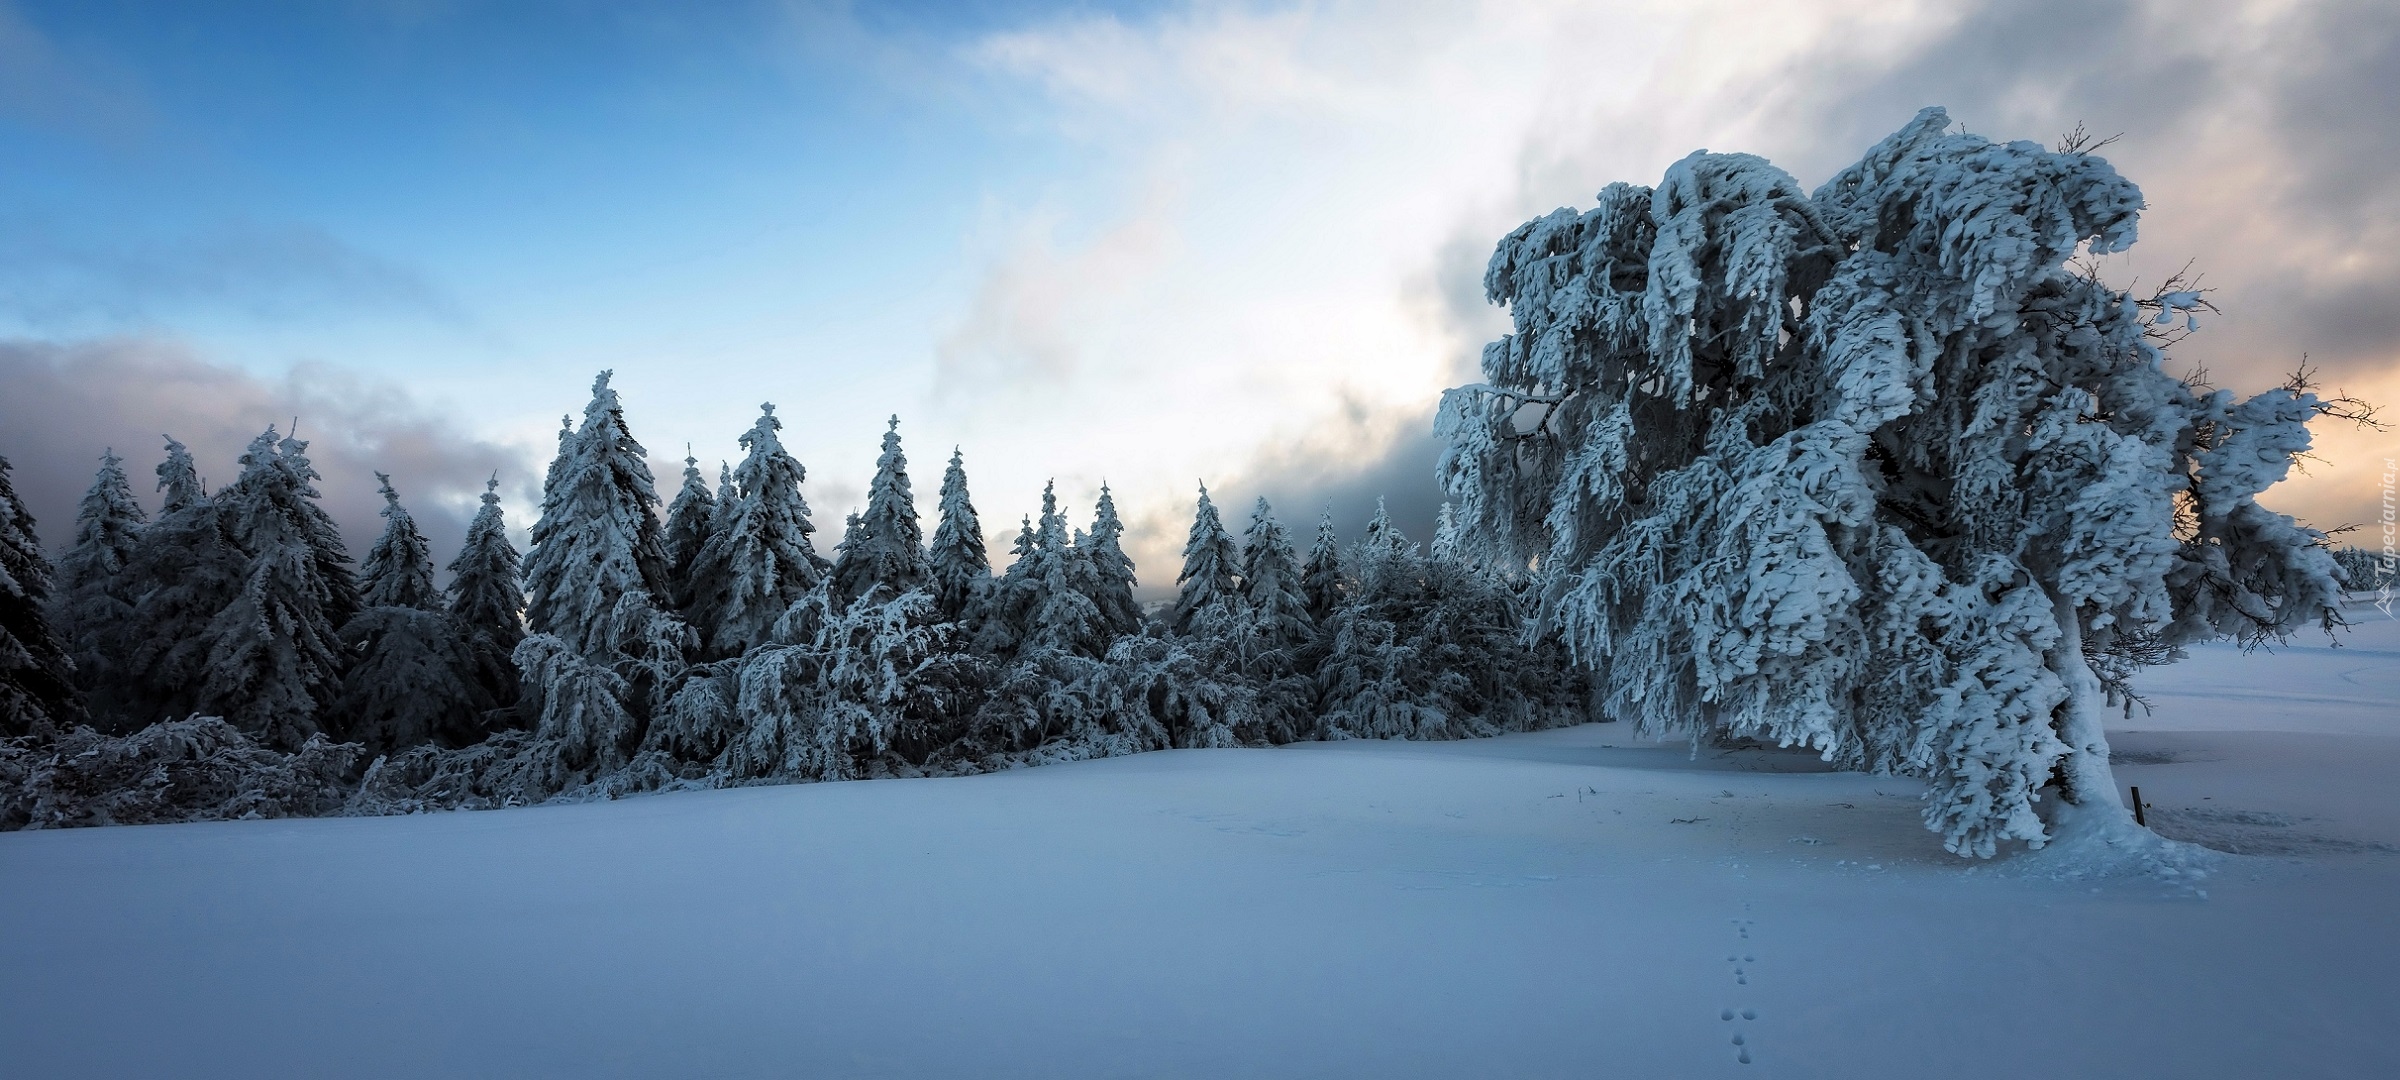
1321, 576
1111, 570
596, 576
1872, 469
1272, 589
957, 565
185, 569
273, 660
830, 706
399, 567
93, 606
891, 549
1446, 540
1039, 604
37, 680
486, 594
324, 538
761, 562
1209, 593
416, 674
691, 519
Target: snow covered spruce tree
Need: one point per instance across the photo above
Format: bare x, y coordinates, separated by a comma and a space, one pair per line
1321, 575
273, 661
413, 669
487, 597
1872, 470
691, 520
37, 687
184, 570
760, 562
956, 565
1110, 569
93, 606
1037, 605
1279, 623
595, 580
890, 552
1208, 599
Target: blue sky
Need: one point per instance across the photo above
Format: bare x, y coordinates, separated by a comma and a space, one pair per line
1146, 243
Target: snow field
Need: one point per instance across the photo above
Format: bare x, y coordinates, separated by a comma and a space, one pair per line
1558, 904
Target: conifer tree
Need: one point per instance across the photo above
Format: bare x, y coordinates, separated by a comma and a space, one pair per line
413, 670
399, 567
1445, 536
1384, 536
1271, 585
93, 606
486, 593
1321, 576
1210, 588
891, 550
957, 563
761, 562
325, 548
185, 569
1061, 616
487, 597
273, 660
37, 680
691, 518
597, 570
1111, 569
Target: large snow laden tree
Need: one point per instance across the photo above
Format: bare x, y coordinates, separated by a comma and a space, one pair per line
1874, 470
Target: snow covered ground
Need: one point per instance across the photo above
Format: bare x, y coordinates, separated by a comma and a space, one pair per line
1566, 904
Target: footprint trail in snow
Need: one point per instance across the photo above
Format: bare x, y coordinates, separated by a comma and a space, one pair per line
1741, 962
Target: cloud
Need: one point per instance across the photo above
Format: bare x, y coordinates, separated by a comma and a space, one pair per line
53, 284
62, 404
1352, 181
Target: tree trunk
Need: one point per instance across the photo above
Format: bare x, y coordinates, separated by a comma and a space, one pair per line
2088, 805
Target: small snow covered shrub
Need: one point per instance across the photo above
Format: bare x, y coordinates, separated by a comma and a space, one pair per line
1873, 469
197, 769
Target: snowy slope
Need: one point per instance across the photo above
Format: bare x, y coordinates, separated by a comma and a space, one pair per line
1551, 905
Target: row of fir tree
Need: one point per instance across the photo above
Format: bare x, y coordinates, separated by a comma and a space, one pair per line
229, 646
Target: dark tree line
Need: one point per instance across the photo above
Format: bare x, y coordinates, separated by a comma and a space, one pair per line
230, 658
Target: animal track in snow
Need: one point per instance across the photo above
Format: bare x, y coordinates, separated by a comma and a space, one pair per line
1741, 977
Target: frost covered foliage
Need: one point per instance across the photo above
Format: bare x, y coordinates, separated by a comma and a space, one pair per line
398, 571
185, 568
691, 520
760, 561
2362, 570
1430, 649
37, 691
92, 606
198, 769
1871, 469
596, 577
486, 598
889, 550
273, 660
1208, 598
902, 660
957, 566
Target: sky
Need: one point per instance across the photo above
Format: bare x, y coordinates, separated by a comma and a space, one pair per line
1151, 245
